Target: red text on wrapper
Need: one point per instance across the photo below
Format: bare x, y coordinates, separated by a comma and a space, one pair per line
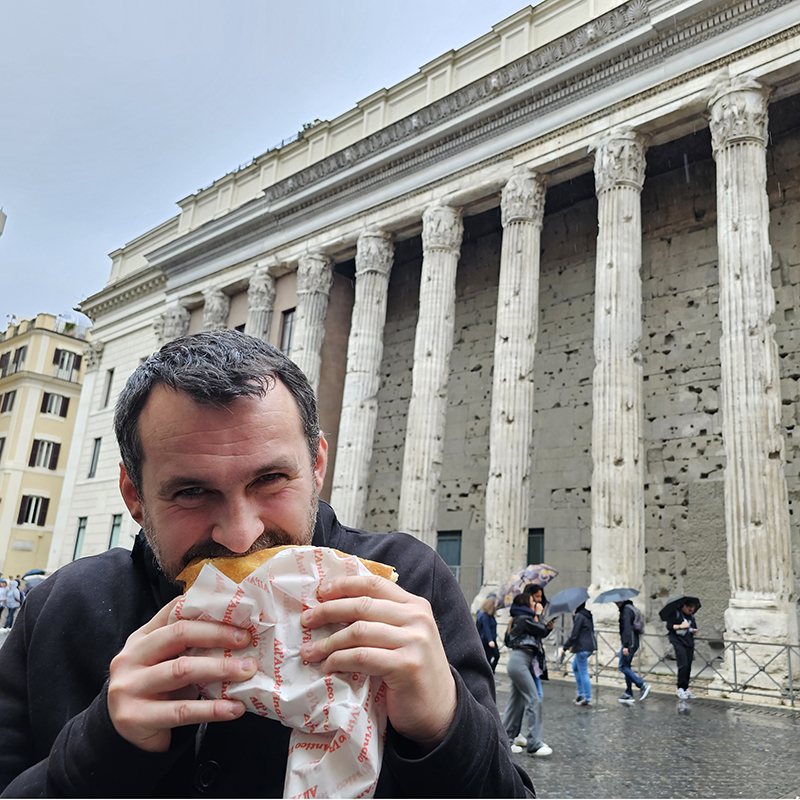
277, 655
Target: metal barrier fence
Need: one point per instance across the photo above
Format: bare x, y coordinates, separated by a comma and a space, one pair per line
763, 669
470, 578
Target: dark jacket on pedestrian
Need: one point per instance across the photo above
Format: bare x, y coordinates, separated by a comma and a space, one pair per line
57, 738
526, 633
627, 633
684, 637
487, 627
582, 638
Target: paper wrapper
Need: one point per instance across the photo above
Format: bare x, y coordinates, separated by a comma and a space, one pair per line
338, 720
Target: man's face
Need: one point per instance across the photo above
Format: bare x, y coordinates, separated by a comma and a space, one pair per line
688, 609
223, 481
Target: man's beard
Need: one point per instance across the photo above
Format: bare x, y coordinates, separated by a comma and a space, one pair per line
208, 548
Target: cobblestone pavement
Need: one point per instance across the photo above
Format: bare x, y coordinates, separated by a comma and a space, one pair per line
662, 747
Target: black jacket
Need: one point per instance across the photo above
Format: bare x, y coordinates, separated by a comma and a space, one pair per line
57, 738
582, 638
686, 637
627, 634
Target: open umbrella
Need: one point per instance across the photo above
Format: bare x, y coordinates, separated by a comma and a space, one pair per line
567, 600
33, 580
533, 573
33, 572
678, 602
616, 595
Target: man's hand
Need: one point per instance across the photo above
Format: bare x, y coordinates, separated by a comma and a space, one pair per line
624, 651
152, 686
392, 634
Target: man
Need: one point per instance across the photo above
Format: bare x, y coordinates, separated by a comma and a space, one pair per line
629, 637
13, 600
3, 590
681, 628
222, 454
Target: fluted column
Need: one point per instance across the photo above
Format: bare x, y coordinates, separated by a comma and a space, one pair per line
216, 307
756, 500
442, 230
374, 256
314, 280
260, 304
508, 488
618, 411
171, 324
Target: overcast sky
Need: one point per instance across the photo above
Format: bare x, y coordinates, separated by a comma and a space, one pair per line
113, 110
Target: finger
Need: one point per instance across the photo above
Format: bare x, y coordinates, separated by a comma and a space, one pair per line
358, 585
347, 610
361, 634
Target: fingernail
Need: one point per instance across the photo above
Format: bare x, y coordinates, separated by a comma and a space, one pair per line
239, 635
247, 664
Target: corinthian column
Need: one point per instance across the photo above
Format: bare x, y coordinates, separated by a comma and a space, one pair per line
442, 229
756, 501
260, 303
314, 280
215, 309
360, 399
618, 471
508, 488
171, 324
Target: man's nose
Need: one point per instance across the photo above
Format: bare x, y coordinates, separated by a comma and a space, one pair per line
238, 526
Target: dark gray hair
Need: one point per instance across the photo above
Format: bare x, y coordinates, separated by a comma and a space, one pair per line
213, 368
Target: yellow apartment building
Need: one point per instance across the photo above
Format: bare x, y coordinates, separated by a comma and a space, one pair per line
41, 371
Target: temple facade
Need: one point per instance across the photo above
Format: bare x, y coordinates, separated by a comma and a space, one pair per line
548, 291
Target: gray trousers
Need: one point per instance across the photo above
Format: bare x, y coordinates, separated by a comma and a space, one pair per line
524, 709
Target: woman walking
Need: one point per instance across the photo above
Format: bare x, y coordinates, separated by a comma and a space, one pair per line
583, 643
487, 630
524, 639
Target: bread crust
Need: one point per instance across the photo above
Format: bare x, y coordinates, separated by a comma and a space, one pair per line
237, 568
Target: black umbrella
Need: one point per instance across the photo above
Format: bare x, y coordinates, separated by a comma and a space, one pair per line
567, 600
616, 595
33, 572
678, 602
33, 580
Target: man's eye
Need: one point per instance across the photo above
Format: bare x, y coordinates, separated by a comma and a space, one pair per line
192, 491
272, 477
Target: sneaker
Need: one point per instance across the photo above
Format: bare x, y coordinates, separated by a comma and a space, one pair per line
515, 748
681, 693
542, 750
627, 699
587, 704
520, 741
645, 692
688, 695
578, 700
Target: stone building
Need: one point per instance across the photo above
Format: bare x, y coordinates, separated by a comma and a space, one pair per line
41, 367
548, 289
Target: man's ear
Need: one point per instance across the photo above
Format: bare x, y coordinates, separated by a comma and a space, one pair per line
321, 464
130, 495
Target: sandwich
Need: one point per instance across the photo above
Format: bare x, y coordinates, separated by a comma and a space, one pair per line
237, 568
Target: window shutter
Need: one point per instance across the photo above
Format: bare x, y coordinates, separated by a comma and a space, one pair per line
64, 406
77, 365
45, 399
4, 363
57, 356
43, 511
54, 456
23, 509
34, 453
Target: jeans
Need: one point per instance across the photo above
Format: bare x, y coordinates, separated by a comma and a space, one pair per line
683, 656
538, 681
580, 669
524, 709
10, 617
625, 668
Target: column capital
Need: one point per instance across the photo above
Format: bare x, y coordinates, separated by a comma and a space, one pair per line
374, 253
442, 228
314, 274
737, 111
171, 324
522, 199
93, 355
261, 290
215, 309
619, 159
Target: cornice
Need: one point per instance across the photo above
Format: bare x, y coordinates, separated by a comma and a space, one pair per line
122, 292
491, 106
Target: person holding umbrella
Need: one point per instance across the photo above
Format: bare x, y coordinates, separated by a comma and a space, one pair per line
681, 627
583, 643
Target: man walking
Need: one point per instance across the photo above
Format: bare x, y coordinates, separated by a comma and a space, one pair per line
629, 636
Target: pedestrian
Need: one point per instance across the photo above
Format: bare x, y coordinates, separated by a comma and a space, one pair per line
222, 455
629, 637
3, 590
583, 643
524, 708
681, 628
13, 602
487, 630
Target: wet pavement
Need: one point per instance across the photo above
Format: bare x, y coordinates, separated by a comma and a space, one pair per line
662, 747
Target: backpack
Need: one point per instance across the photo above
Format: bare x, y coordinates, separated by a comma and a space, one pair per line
638, 621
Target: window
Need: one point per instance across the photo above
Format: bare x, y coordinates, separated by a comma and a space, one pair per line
448, 546
287, 323
240, 328
107, 389
19, 357
8, 401
535, 546
54, 404
44, 454
79, 537
65, 361
116, 525
4, 359
2, 445
33, 510
95, 458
